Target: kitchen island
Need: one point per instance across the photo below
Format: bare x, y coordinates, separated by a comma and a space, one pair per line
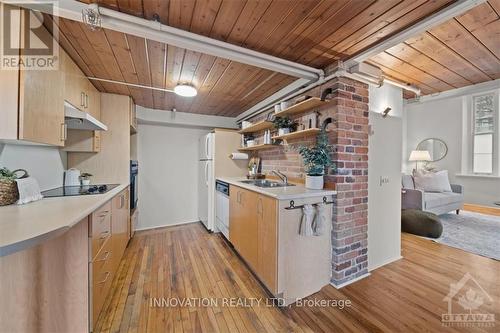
57, 260
264, 228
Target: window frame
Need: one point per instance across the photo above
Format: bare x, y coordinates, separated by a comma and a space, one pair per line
495, 145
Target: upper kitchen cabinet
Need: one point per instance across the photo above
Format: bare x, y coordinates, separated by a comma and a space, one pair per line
78, 90
32, 100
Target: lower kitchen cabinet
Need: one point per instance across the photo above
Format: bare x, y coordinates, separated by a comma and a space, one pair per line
109, 234
253, 232
120, 225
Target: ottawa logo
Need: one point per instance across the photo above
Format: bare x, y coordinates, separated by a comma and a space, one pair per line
464, 305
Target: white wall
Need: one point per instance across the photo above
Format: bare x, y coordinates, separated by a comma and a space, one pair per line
384, 176
168, 175
46, 164
442, 119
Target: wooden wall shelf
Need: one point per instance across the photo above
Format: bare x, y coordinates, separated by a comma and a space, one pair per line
257, 147
303, 106
259, 126
298, 134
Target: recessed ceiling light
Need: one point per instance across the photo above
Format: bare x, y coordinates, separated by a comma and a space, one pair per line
185, 90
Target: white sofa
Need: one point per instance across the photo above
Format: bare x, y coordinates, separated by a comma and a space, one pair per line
434, 202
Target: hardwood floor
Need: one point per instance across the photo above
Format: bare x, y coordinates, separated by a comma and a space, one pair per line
187, 262
482, 209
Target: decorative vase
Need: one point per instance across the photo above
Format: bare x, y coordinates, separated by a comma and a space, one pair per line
283, 131
85, 182
314, 182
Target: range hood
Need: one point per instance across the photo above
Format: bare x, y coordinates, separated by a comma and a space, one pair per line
79, 120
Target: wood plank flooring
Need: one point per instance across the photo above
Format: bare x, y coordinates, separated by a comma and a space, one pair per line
187, 262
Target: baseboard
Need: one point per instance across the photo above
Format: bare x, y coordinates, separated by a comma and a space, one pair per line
166, 225
350, 281
386, 262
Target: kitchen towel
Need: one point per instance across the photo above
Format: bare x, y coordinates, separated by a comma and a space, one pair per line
306, 222
28, 189
320, 220
238, 156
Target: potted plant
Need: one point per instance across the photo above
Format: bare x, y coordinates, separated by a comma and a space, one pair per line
316, 159
284, 125
85, 178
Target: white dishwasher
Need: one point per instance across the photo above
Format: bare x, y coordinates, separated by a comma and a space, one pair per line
222, 207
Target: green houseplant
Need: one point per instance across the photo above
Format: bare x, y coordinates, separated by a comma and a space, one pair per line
316, 159
284, 125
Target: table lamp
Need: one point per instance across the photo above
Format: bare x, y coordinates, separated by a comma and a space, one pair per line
419, 156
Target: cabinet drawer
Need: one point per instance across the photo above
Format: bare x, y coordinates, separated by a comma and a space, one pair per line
102, 276
100, 227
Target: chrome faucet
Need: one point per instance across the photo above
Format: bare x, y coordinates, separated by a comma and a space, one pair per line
281, 176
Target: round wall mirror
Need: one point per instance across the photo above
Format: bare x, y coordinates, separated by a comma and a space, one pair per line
436, 148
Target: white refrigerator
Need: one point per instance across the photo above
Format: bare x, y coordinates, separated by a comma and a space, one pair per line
206, 181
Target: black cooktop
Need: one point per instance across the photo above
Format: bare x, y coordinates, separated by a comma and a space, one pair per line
66, 191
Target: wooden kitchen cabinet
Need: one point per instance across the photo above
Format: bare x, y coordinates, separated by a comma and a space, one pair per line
267, 221
75, 82
109, 235
253, 232
83, 141
243, 230
120, 233
34, 103
78, 90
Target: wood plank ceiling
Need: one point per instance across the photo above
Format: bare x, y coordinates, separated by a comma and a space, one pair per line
462, 51
311, 32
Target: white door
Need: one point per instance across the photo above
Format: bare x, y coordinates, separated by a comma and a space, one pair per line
384, 190
203, 169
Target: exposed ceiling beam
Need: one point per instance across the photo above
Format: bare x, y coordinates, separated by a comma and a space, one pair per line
152, 30
450, 11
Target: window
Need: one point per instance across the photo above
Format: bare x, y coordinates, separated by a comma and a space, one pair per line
484, 125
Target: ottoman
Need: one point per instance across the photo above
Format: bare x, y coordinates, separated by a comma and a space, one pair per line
421, 223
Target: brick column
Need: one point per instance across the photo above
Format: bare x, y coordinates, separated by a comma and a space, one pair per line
349, 134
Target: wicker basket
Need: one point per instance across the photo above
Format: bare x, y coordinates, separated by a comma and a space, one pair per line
8, 190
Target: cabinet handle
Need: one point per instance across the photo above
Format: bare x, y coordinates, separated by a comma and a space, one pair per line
86, 101
106, 256
64, 132
105, 279
82, 99
260, 210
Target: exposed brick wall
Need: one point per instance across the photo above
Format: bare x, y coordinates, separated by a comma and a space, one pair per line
349, 136
350, 210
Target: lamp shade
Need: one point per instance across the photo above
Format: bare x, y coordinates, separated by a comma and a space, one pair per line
419, 155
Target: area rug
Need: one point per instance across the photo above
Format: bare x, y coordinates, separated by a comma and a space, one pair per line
472, 232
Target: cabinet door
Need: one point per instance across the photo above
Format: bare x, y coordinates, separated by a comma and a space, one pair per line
93, 102
244, 229
41, 103
119, 226
76, 83
235, 216
267, 241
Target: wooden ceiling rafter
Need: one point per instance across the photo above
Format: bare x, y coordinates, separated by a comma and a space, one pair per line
461, 51
312, 33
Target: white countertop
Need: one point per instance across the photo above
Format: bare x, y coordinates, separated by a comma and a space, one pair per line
23, 226
280, 193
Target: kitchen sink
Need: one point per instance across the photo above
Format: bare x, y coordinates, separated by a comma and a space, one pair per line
265, 183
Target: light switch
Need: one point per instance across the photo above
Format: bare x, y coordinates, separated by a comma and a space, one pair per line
384, 180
